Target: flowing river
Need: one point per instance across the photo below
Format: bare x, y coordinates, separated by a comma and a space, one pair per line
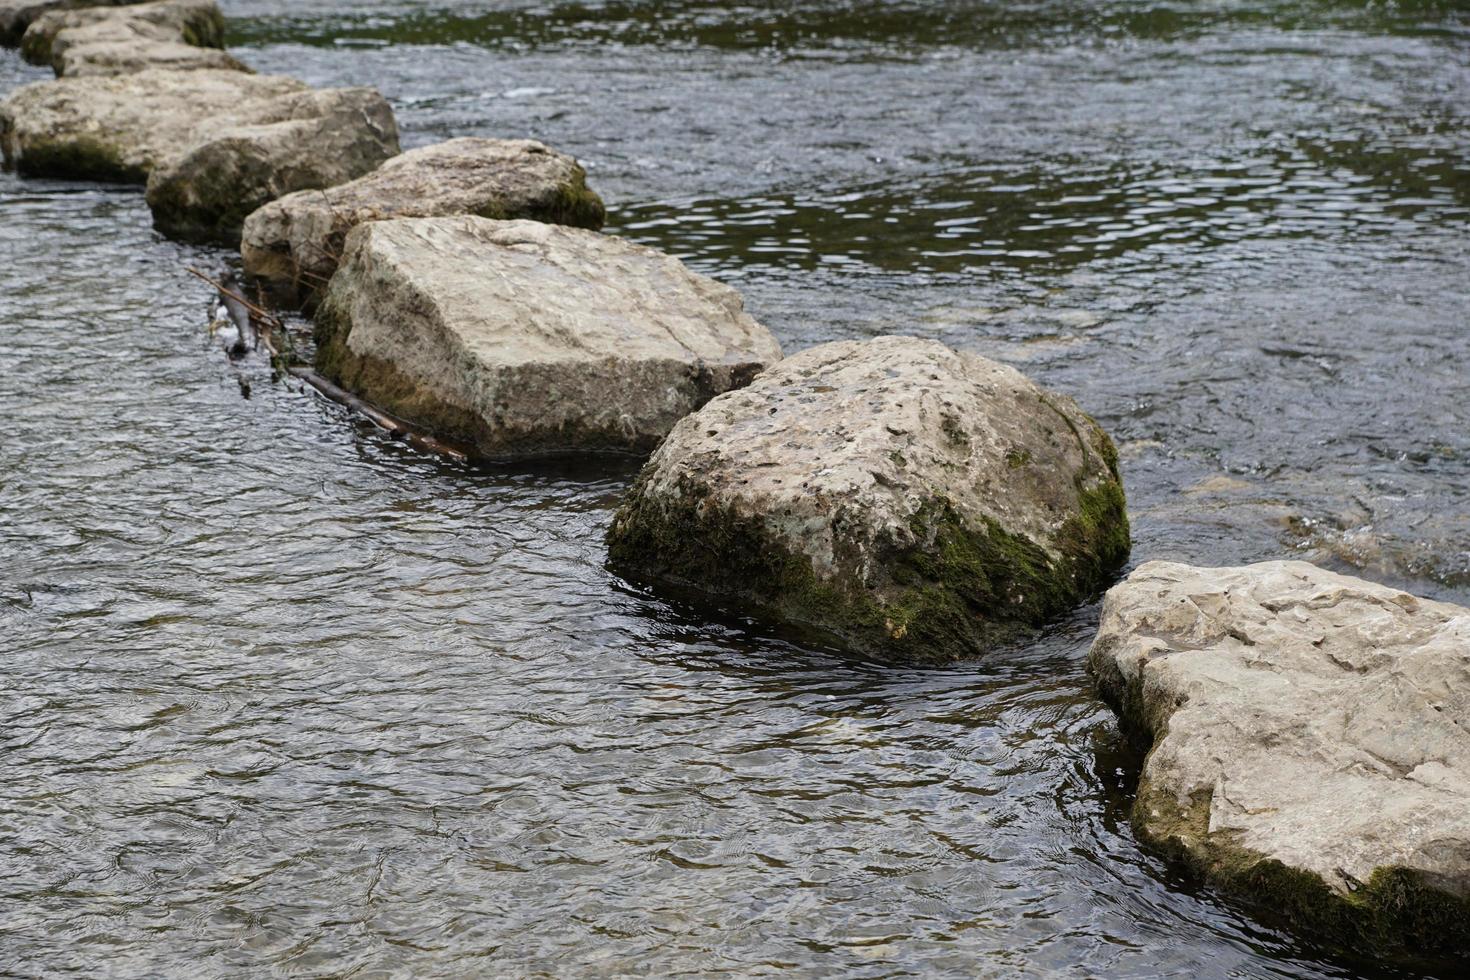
280, 695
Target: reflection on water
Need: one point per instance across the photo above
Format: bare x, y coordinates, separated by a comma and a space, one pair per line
283, 695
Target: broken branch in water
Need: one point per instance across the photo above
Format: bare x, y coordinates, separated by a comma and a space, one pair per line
244, 313
229, 294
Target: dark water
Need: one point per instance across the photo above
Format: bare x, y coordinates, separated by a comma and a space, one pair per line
282, 697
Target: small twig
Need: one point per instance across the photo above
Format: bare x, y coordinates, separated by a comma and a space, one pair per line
395, 427
266, 316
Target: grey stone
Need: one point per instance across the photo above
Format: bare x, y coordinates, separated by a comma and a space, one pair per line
17, 15
292, 244
1309, 742
909, 501
305, 141
174, 34
121, 128
211, 145
523, 338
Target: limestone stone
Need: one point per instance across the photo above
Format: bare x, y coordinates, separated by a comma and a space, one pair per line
304, 141
1309, 742
292, 244
212, 146
522, 338
912, 502
109, 40
121, 128
17, 15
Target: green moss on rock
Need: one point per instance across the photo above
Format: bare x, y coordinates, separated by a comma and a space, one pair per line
1396, 909
78, 158
952, 588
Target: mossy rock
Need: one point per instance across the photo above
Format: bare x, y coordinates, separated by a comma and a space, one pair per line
1308, 739
870, 493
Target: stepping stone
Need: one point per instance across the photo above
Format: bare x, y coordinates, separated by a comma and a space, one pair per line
212, 146
1309, 743
897, 498
521, 338
293, 244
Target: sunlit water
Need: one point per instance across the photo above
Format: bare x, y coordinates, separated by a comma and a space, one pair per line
279, 694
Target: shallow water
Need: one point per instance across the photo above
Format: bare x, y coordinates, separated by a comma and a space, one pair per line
282, 695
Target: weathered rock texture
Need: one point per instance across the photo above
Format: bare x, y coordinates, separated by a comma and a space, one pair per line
175, 34
17, 15
913, 502
122, 128
293, 243
1310, 741
211, 145
305, 141
126, 57
518, 337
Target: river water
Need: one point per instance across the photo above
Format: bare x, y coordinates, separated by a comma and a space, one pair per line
279, 695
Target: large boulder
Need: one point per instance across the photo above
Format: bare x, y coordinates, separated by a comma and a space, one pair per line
522, 338
1310, 742
305, 141
211, 145
17, 15
62, 38
909, 501
293, 244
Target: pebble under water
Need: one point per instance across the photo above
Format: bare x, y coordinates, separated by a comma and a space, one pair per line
282, 696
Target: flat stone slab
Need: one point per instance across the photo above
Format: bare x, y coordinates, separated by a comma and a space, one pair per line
211, 145
174, 34
17, 15
1310, 742
523, 338
908, 501
293, 244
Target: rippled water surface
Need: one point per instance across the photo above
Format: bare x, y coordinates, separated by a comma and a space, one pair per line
280, 695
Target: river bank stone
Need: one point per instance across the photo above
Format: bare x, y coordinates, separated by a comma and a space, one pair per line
522, 338
293, 244
17, 15
909, 501
304, 141
177, 34
1310, 742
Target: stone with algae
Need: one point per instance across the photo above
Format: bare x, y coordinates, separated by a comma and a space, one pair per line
911, 502
1310, 742
522, 338
293, 244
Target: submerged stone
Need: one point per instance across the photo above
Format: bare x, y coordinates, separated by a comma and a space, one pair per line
111, 40
293, 244
1310, 742
517, 337
211, 145
909, 501
17, 15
